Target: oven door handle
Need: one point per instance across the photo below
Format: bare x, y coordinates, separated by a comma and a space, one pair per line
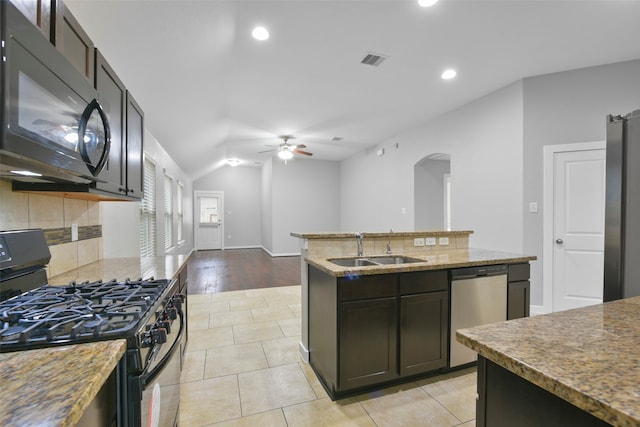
148, 377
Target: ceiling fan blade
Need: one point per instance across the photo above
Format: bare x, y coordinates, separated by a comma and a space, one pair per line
305, 153
267, 151
299, 146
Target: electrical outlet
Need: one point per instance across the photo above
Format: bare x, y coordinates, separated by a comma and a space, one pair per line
430, 241
74, 232
443, 241
418, 242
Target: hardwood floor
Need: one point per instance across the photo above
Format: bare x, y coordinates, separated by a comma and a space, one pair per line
240, 269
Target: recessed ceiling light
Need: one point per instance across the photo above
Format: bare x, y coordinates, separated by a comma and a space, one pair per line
233, 162
427, 3
448, 74
260, 33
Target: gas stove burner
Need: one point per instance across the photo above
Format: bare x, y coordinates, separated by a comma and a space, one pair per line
78, 312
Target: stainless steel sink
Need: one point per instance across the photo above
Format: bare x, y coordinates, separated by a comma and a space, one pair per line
363, 262
352, 262
394, 260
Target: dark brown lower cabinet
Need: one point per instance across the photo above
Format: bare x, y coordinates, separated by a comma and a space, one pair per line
367, 331
518, 289
367, 343
423, 332
506, 400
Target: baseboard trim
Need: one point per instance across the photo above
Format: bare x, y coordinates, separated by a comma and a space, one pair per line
536, 310
304, 352
279, 255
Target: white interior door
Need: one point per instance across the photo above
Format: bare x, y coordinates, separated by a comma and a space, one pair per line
578, 228
209, 210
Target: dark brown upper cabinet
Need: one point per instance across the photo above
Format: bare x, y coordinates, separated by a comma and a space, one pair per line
113, 98
73, 41
134, 148
38, 12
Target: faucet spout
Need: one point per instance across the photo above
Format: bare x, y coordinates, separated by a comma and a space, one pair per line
389, 241
359, 237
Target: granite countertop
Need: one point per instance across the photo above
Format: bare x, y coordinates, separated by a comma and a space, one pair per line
454, 258
587, 356
54, 386
343, 235
161, 267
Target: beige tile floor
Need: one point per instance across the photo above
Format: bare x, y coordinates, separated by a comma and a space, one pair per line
243, 368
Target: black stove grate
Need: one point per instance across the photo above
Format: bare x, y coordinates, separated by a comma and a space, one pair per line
51, 315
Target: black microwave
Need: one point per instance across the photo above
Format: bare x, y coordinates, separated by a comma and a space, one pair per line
53, 127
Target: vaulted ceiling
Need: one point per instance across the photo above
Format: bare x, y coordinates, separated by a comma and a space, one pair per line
211, 92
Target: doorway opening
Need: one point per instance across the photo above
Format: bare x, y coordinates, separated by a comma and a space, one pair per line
432, 192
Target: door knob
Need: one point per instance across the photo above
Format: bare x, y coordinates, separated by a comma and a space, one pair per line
559, 241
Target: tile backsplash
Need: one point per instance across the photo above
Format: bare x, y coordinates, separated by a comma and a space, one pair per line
55, 215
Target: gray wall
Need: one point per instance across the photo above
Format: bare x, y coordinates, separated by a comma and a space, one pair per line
563, 108
484, 140
267, 206
242, 203
304, 199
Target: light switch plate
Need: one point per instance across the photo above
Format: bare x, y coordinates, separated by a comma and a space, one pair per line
443, 241
418, 241
533, 207
430, 241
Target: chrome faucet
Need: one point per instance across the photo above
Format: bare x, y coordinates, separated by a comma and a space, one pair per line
359, 237
389, 241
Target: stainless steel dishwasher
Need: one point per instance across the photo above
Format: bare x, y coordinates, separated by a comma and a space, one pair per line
478, 297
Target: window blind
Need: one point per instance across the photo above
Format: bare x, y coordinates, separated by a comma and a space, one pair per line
148, 210
168, 212
179, 190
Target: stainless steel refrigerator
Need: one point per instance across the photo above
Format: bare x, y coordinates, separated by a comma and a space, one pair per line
622, 212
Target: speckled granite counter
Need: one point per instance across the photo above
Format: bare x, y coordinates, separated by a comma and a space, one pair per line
162, 267
54, 386
589, 356
433, 261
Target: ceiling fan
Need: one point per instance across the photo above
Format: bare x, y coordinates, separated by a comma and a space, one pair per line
286, 150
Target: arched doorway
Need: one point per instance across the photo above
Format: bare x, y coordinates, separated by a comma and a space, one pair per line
432, 192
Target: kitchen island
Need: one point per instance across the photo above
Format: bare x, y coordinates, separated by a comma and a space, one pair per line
54, 386
582, 366
379, 313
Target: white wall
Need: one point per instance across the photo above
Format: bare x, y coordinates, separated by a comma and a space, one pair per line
242, 203
304, 198
120, 229
563, 108
484, 140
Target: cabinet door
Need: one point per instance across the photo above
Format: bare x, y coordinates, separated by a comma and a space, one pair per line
134, 148
38, 12
423, 332
113, 96
367, 343
518, 299
73, 41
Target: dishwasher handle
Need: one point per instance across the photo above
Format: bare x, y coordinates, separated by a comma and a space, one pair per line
481, 271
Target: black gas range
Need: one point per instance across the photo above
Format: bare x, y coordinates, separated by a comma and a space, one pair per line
147, 313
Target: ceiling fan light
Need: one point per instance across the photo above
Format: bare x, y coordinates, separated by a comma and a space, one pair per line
285, 154
233, 162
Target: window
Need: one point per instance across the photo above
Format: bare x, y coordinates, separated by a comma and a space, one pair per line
148, 211
168, 212
180, 189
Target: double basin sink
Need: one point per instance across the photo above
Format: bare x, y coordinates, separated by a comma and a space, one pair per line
377, 260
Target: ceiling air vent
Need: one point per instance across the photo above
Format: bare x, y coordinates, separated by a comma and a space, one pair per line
374, 59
